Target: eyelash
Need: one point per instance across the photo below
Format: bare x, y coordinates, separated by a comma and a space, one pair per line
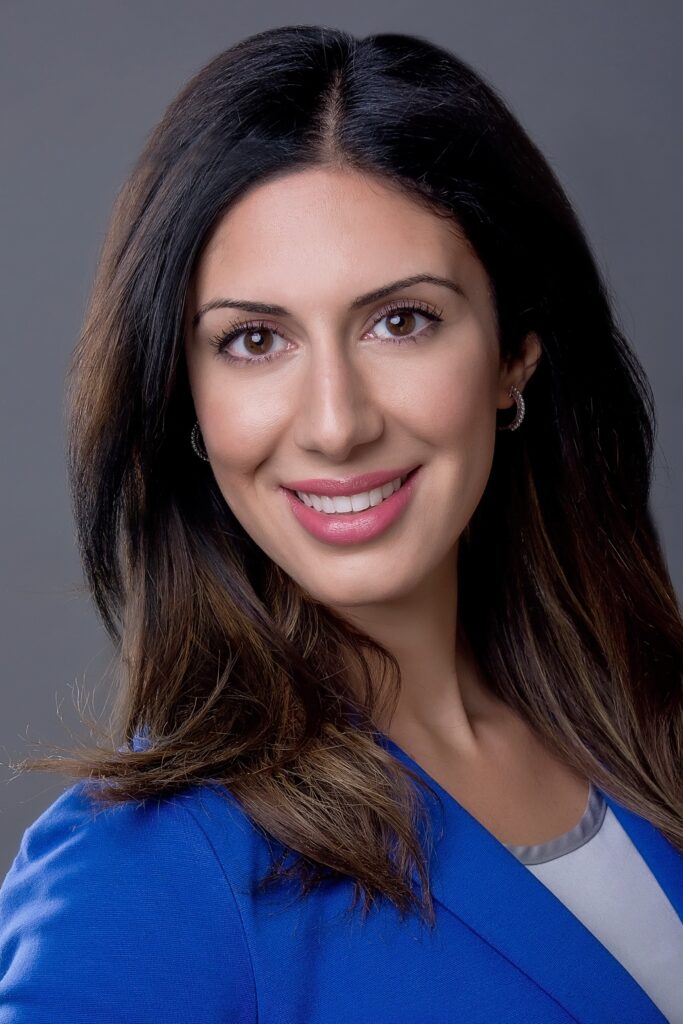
221, 341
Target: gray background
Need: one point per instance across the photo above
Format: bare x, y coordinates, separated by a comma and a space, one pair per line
597, 83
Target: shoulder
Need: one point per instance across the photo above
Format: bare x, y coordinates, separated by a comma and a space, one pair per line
109, 911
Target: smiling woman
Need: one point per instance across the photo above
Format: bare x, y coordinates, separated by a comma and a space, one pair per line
362, 492
349, 381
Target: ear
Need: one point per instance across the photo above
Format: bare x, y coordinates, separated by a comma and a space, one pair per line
518, 370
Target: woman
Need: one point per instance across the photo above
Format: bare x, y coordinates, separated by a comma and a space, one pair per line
361, 467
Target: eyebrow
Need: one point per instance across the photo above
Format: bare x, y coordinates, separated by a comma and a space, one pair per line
268, 309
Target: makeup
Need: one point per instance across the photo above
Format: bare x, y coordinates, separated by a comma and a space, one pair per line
353, 527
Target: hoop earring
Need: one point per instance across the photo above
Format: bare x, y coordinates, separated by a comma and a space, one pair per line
515, 393
197, 442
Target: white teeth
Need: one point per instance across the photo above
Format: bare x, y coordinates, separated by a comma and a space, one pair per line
351, 502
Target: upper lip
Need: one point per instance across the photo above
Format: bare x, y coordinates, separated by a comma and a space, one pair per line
349, 484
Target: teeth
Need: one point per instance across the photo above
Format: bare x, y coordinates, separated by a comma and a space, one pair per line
351, 502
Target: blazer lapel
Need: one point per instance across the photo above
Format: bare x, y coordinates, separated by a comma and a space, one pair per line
474, 876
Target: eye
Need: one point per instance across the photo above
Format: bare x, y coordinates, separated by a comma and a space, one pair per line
256, 336
257, 341
401, 318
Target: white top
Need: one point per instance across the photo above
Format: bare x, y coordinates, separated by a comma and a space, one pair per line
597, 872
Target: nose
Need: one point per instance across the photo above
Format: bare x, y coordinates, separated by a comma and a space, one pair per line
339, 407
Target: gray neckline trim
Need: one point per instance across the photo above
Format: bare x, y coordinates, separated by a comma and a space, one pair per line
585, 829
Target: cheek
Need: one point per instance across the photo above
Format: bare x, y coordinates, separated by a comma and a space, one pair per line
451, 401
239, 426
451, 406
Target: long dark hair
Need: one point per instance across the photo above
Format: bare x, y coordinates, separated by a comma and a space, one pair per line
235, 673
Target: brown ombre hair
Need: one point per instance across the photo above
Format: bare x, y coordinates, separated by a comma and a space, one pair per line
231, 670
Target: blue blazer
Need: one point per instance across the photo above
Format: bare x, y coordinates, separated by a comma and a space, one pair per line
146, 912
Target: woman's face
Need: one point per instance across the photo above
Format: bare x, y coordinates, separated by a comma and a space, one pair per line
330, 387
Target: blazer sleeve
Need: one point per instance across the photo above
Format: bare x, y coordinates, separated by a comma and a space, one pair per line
122, 914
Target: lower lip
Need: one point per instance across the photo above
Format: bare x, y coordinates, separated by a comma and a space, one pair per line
353, 527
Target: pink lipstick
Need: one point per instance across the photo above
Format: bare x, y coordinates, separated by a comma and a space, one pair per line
348, 484
351, 527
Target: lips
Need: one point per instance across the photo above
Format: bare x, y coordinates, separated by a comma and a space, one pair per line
348, 485
346, 528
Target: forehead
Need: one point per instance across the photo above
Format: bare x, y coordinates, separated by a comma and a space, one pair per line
328, 229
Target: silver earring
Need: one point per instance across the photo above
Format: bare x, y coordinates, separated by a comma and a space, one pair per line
197, 443
515, 393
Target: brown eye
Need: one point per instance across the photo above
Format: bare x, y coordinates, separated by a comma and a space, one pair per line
401, 323
254, 339
258, 340
407, 322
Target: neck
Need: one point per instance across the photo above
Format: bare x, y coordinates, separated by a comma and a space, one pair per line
443, 693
